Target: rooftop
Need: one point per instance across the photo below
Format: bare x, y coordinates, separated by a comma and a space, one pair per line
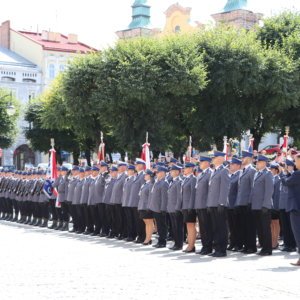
62, 44
8, 57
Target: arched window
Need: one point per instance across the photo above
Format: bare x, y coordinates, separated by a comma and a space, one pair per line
177, 29
7, 78
51, 71
29, 80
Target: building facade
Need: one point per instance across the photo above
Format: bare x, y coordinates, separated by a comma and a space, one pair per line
23, 80
40, 56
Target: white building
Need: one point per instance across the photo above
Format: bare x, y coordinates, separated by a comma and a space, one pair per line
22, 79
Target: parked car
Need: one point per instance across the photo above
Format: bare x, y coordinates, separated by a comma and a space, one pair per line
271, 149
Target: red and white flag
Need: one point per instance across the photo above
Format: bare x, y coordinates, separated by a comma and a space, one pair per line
284, 148
101, 152
146, 155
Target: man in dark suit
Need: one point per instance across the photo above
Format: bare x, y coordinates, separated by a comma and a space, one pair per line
202, 184
261, 204
217, 202
235, 171
293, 203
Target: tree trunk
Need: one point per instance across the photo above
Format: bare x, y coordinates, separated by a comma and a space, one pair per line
76, 153
88, 156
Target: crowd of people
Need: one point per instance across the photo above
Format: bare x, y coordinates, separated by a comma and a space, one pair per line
236, 205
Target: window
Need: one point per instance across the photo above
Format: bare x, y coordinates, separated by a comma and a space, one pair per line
61, 68
51, 71
7, 78
177, 29
29, 80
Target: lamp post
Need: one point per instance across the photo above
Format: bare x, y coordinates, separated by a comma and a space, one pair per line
10, 109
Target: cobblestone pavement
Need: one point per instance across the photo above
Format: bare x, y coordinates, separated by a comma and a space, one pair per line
45, 264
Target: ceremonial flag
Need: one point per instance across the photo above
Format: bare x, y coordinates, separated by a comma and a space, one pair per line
284, 148
251, 145
146, 153
52, 175
226, 148
101, 151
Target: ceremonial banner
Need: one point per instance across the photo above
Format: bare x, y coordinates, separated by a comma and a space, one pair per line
101, 151
146, 153
52, 175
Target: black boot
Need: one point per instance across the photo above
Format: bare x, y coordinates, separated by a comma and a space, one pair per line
38, 222
33, 221
65, 226
44, 223
54, 225
59, 226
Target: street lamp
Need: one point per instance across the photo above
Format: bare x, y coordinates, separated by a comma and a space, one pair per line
10, 109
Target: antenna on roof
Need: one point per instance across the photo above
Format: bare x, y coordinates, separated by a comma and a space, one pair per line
37, 29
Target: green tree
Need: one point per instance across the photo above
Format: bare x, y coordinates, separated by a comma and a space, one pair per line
8, 123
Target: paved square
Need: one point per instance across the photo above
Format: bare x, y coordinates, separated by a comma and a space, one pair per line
45, 264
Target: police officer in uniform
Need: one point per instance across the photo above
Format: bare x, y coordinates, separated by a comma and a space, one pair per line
158, 205
261, 204
217, 202
174, 206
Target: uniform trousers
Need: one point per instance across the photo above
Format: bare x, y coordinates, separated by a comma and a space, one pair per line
53, 209
139, 224
130, 222
95, 217
80, 221
295, 222
246, 230
16, 207
219, 228
64, 214
206, 233
162, 229
288, 235
117, 219
233, 227
88, 218
103, 222
263, 225
176, 220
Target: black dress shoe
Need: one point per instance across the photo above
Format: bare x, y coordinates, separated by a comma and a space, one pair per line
230, 248
219, 254
242, 249
79, 231
161, 246
87, 232
129, 239
102, 234
176, 248
189, 251
250, 251
148, 243
138, 241
205, 252
72, 230
94, 233
288, 249
264, 253
236, 249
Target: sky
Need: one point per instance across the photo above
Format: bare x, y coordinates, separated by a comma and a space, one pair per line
96, 21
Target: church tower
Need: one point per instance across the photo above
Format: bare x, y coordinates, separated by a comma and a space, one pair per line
140, 23
236, 13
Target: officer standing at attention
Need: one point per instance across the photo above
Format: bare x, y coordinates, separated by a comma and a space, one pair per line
134, 198
261, 204
217, 202
116, 201
235, 170
174, 206
131, 231
188, 204
158, 205
201, 194
246, 231
293, 203
145, 214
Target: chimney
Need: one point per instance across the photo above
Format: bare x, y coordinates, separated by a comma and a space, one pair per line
45, 35
5, 34
72, 38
